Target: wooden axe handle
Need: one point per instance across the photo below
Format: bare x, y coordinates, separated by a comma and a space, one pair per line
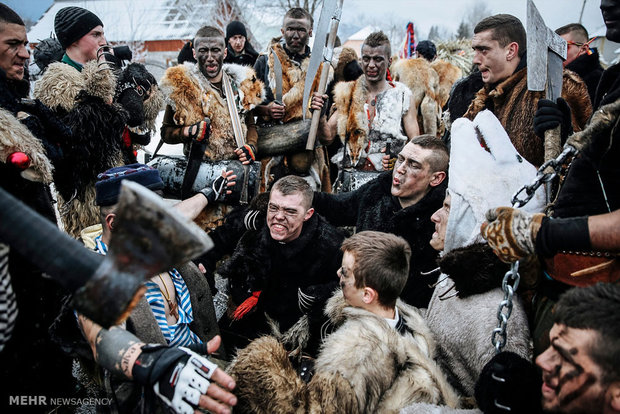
316, 115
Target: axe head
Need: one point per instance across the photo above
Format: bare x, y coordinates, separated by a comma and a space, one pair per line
545, 52
149, 237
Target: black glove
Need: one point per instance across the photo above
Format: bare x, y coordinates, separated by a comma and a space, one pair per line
200, 130
509, 383
217, 190
131, 101
177, 375
249, 152
549, 115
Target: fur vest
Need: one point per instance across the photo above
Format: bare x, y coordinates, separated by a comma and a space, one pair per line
363, 140
515, 106
372, 207
365, 366
293, 78
193, 97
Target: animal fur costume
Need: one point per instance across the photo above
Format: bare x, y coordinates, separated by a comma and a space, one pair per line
418, 75
364, 141
83, 100
372, 207
448, 75
365, 366
192, 98
515, 107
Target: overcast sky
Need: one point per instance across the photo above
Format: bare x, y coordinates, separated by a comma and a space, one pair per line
424, 13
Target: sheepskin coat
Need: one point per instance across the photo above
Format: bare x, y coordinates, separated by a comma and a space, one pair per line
308, 263
515, 106
82, 100
191, 98
581, 193
363, 139
365, 366
372, 207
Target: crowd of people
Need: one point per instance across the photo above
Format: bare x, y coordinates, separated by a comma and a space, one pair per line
381, 271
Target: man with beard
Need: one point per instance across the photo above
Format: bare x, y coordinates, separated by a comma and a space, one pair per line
400, 202
198, 99
370, 111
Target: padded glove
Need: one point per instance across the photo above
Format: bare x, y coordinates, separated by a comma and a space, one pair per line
549, 115
511, 233
178, 376
249, 152
217, 190
200, 130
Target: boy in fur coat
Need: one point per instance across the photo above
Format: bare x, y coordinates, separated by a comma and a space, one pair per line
378, 358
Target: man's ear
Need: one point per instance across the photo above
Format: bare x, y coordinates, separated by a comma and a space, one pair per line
225, 51
194, 53
309, 214
512, 51
437, 178
613, 391
109, 221
369, 296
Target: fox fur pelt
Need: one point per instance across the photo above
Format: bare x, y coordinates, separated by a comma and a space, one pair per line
423, 81
448, 74
192, 97
364, 366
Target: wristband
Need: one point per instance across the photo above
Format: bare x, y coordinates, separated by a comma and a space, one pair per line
561, 234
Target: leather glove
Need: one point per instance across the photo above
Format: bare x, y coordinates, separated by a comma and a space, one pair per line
200, 130
511, 233
549, 115
178, 376
249, 152
508, 383
131, 101
217, 190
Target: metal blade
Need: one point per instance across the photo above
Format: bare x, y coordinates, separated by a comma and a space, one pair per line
316, 58
536, 49
554, 74
277, 68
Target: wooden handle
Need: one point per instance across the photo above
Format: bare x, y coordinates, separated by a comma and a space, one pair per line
316, 114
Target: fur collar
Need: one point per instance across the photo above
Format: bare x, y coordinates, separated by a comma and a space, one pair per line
474, 269
586, 63
15, 137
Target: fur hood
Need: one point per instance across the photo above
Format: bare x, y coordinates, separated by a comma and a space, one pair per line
15, 137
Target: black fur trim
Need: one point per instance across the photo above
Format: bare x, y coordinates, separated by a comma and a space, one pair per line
474, 269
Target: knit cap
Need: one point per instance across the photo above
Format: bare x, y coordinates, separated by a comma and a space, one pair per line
108, 185
71, 23
235, 28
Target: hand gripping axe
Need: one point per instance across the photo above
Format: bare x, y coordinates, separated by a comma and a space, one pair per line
149, 238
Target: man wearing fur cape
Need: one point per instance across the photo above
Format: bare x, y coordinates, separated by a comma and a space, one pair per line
197, 100
293, 53
379, 357
370, 111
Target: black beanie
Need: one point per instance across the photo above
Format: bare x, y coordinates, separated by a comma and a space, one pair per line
235, 28
108, 185
71, 23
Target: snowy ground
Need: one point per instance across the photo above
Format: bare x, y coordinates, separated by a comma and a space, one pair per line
166, 149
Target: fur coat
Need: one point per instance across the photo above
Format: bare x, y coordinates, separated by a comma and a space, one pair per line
372, 207
365, 366
192, 98
308, 263
83, 99
589, 68
515, 107
363, 140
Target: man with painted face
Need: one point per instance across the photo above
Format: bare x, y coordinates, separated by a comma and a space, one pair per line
370, 111
400, 202
499, 45
198, 96
286, 267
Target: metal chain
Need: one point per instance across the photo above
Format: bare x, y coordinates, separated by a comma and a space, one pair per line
511, 279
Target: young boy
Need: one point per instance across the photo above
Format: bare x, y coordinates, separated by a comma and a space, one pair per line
379, 357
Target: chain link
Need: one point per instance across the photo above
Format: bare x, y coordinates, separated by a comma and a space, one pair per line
511, 279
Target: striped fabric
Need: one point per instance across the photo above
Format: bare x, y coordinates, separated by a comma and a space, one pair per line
178, 334
8, 305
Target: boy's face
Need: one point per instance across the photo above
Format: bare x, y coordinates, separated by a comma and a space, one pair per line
352, 295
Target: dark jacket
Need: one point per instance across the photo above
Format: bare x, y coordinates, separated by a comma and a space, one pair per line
246, 58
372, 207
278, 270
589, 68
582, 193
